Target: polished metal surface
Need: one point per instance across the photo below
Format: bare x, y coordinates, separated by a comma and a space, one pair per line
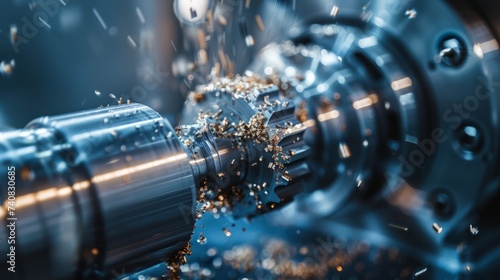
98, 190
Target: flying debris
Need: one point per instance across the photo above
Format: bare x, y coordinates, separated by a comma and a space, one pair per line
6, 68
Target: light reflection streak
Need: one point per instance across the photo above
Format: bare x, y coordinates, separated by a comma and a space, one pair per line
51, 193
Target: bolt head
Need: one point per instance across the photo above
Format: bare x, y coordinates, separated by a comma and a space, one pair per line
452, 52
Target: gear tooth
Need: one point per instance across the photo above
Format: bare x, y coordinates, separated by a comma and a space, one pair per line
272, 196
295, 152
268, 128
292, 134
282, 121
293, 172
290, 190
297, 170
293, 146
281, 115
272, 93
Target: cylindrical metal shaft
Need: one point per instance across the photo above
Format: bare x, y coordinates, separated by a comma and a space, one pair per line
95, 190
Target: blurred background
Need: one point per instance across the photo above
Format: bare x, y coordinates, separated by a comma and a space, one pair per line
63, 51
124, 48
59, 55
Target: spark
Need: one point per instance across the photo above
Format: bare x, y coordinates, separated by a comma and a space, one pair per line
131, 42
474, 230
202, 239
140, 15
249, 41
344, 150
99, 18
7, 68
335, 11
98, 93
418, 273
411, 13
63, 3
44, 22
398, 227
174, 46
13, 34
359, 181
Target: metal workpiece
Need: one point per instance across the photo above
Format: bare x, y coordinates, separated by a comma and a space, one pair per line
97, 190
115, 188
254, 142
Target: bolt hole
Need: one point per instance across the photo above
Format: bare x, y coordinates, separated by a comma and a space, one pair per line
451, 51
442, 203
469, 139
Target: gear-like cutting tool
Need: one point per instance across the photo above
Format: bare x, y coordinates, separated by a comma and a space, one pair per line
247, 137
